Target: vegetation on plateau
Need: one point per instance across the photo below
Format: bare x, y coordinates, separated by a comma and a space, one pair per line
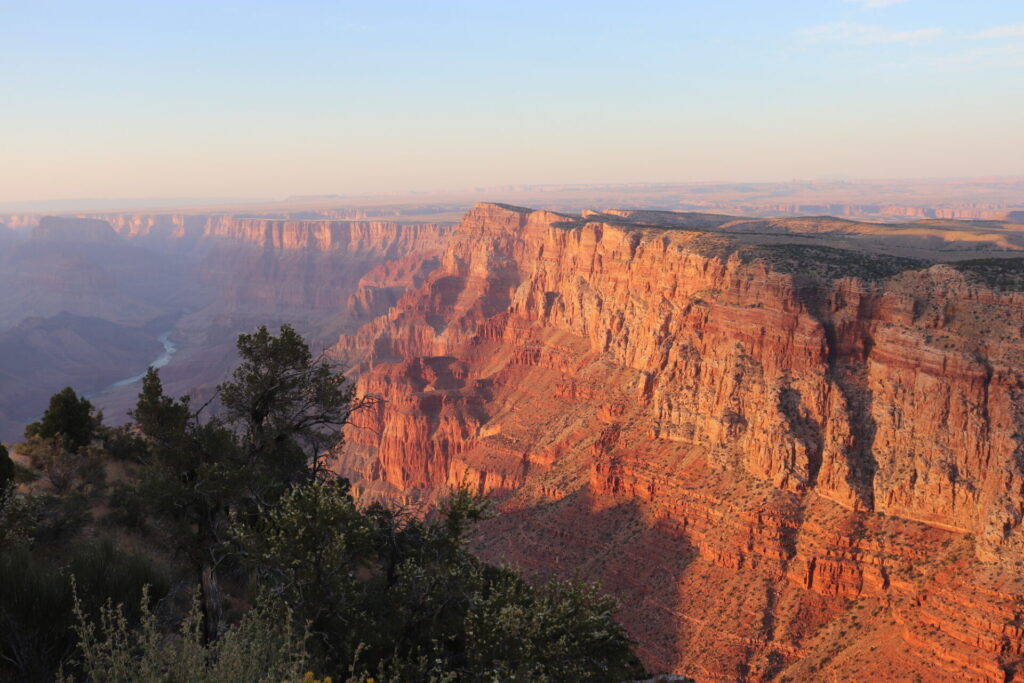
190, 546
1000, 274
828, 263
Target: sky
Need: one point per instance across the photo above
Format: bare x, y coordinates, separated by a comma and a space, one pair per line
214, 98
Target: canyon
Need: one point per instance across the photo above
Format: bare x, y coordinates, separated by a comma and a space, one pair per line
596, 342
790, 446
791, 449
126, 279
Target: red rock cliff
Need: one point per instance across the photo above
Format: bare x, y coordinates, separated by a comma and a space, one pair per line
380, 238
299, 267
781, 471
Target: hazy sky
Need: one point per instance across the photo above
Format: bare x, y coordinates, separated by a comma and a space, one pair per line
250, 98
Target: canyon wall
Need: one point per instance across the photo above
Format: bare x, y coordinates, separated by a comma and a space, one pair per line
242, 267
306, 269
377, 237
246, 272
203, 278
788, 461
135, 267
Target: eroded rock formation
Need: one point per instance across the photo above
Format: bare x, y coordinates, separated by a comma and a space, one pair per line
204, 278
786, 460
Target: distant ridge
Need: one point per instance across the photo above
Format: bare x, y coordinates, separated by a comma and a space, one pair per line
119, 203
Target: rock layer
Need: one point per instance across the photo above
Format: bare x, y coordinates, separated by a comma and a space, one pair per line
787, 461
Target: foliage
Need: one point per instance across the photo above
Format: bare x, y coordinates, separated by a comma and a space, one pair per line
263, 647
293, 576
17, 512
562, 631
75, 479
122, 443
18, 517
828, 263
309, 545
68, 418
191, 471
398, 597
59, 518
6, 469
127, 507
1000, 274
282, 411
36, 601
307, 551
286, 407
80, 471
191, 475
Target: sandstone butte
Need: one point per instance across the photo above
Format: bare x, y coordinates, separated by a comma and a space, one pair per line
788, 462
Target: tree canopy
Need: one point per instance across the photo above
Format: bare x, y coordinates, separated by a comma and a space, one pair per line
282, 413
70, 418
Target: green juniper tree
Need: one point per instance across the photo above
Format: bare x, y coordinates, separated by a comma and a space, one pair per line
286, 408
282, 414
191, 476
69, 418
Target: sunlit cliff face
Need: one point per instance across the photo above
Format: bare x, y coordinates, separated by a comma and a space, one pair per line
737, 435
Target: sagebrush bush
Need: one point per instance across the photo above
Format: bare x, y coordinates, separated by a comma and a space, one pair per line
264, 647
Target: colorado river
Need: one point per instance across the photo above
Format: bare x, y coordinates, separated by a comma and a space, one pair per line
169, 350
163, 359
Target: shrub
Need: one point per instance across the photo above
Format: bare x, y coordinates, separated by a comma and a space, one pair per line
400, 598
18, 517
122, 443
6, 468
37, 603
127, 508
70, 418
263, 647
81, 471
60, 518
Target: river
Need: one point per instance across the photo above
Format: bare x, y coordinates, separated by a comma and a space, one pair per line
170, 348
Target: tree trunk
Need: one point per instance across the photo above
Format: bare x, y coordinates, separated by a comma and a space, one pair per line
209, 588
210, 602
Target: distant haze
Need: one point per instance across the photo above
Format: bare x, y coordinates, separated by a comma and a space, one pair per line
115, 203
270, 99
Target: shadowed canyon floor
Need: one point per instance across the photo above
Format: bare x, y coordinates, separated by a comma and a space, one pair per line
791, 447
